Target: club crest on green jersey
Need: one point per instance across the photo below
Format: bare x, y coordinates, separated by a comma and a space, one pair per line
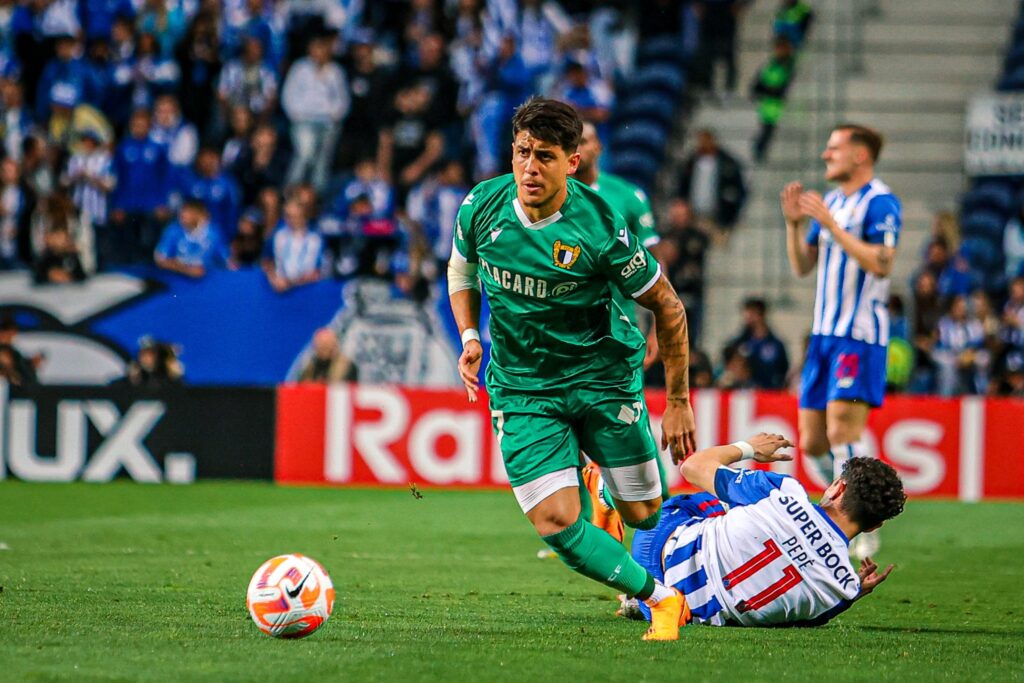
565, 255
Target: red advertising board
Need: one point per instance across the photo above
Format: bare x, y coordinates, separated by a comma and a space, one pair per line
390, 435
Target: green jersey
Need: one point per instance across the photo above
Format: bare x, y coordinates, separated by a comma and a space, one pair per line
549, 286
632, 202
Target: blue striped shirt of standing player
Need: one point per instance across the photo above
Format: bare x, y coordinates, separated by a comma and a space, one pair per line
774, 559
847, 354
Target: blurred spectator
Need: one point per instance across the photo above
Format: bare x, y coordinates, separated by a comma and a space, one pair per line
58, 262
240, 125
960, 354
147, 74
192, 245
712, 183
165, 21
936, 257
900, 355
683, 250
410, 141
509, 83
16, 120
365, 182
537, 31
327, 364
140, 200
430, 71
769, 90
90, 177
261, 165
62, 86
155, 367
702, 374
981, 308
199, 57
765, 352
57, 214
291, 257
17, 204
248, 81
1013, 244
719, 21
433, 206
316, 100
1012, 333
176, 135
36, 167
592, 98
957, 279
98, 16
793, 21
213, 187
1008, 378
100, 89
247, 244
946, 227
14, 367
368, 86
736, 373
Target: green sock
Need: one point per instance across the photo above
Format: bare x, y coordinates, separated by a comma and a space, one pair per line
586, 506
596, 555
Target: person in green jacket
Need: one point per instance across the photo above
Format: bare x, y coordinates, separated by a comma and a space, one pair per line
769, 90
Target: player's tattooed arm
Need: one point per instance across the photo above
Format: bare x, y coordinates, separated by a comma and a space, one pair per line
678, 426
876, 259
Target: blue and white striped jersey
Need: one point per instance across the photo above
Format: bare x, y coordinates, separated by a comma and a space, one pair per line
90, 199
851, 302
775, 558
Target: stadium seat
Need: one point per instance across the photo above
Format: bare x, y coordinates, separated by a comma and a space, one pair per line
664, 77
652, 106
642, 134
983, 254
983, 223
996, 195
638, 166
668, 48
1014, 59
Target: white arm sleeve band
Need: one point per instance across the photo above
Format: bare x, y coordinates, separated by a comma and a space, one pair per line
462, 275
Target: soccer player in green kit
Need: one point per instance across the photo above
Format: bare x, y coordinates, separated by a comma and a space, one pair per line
630, 201
565, 371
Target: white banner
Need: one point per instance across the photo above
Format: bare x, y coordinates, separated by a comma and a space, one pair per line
995, 134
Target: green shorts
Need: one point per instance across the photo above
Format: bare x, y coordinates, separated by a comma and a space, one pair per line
540, 434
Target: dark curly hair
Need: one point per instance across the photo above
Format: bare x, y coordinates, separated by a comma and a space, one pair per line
551, 121
874, 492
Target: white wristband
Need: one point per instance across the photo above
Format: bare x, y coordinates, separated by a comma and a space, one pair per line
745, 448
470, 333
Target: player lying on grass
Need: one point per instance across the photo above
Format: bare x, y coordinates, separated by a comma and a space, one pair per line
775, 558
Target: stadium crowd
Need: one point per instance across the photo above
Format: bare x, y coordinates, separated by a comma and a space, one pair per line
318, 139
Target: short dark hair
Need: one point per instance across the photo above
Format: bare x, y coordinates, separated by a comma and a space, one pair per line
874, 492
196, 205
551, 121
756, 303
862, 135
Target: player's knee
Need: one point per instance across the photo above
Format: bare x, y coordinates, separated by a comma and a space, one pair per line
553, 521
813, 444
643, 514
840, 433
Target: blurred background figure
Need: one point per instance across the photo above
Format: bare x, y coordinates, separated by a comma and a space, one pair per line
327, 364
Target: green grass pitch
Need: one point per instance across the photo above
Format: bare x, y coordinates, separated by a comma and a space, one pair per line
124, 582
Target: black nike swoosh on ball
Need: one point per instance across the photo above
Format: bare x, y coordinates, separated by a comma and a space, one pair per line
294, 593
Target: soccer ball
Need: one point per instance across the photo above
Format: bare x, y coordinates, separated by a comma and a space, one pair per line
290, 596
